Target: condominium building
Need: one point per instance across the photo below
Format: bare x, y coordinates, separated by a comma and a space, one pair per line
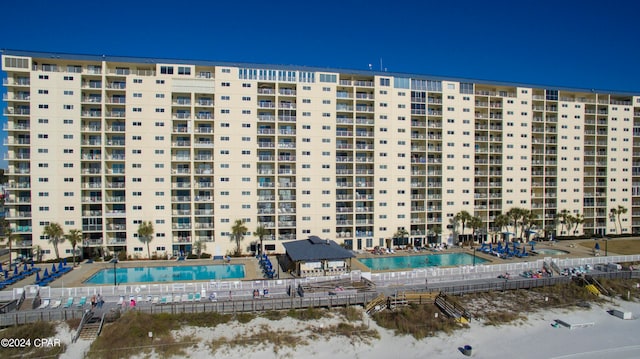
102, 143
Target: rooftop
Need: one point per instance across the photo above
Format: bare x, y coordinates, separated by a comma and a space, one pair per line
149, 60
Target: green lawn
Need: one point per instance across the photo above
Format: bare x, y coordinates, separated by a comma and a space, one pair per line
617, 246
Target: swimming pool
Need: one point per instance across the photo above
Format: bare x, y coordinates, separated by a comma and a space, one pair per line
167, 274
551, 252
420, 261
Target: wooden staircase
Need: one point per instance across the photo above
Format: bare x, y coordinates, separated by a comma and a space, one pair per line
26, 304
452, 308
91, 329
376, 304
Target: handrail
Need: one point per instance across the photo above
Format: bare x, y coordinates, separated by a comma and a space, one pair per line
101, 324
85, 318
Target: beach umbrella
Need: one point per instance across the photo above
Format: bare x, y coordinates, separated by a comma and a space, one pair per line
6, 274
53, 268
597, 246
1, 270
24, 268
60, 267
46, 273
15, 270
37, 277
64, 260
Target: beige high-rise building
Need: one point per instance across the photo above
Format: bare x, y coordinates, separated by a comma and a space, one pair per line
102, 143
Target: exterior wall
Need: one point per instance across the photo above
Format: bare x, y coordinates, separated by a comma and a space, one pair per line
103, 144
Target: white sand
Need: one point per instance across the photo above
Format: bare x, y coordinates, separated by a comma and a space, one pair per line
609, 337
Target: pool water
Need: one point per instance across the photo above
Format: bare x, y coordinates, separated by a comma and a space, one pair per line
420, 261
167, 274
552, 252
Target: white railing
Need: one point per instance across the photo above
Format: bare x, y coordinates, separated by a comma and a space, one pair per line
242, 289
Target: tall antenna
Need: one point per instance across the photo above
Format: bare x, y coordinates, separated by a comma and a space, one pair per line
381, 68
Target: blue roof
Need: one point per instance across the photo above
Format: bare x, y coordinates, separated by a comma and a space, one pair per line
316, 249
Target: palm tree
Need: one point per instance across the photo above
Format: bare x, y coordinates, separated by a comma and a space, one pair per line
475, 223
569, 221
434, 231
37, 252
502, 221
612, 217
516, 215
261, 232
199, 246
74, 237
577, 220
564, 218
145, 234
619, 212
237, 234
401, 233
56, 236
462, 217
10, 237
529, 219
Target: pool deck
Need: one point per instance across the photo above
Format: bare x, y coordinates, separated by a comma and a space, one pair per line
574, 249
84, 270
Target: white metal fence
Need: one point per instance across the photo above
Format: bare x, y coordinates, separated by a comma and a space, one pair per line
235, 290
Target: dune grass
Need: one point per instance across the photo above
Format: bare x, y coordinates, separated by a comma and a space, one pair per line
491, 308
129, 333
31, 332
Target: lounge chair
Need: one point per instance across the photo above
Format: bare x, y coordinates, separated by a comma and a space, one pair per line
197, 297
44, 304
213, 297
56, 304
185, 297
163, 300
155, 300
69, 303
121, 300
83, 301
149, 298
177, 298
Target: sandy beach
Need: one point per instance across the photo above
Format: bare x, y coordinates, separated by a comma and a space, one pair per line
603, 335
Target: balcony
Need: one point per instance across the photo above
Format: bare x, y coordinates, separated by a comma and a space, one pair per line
93, 242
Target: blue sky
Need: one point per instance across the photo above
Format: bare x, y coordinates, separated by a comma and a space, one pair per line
584, 44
